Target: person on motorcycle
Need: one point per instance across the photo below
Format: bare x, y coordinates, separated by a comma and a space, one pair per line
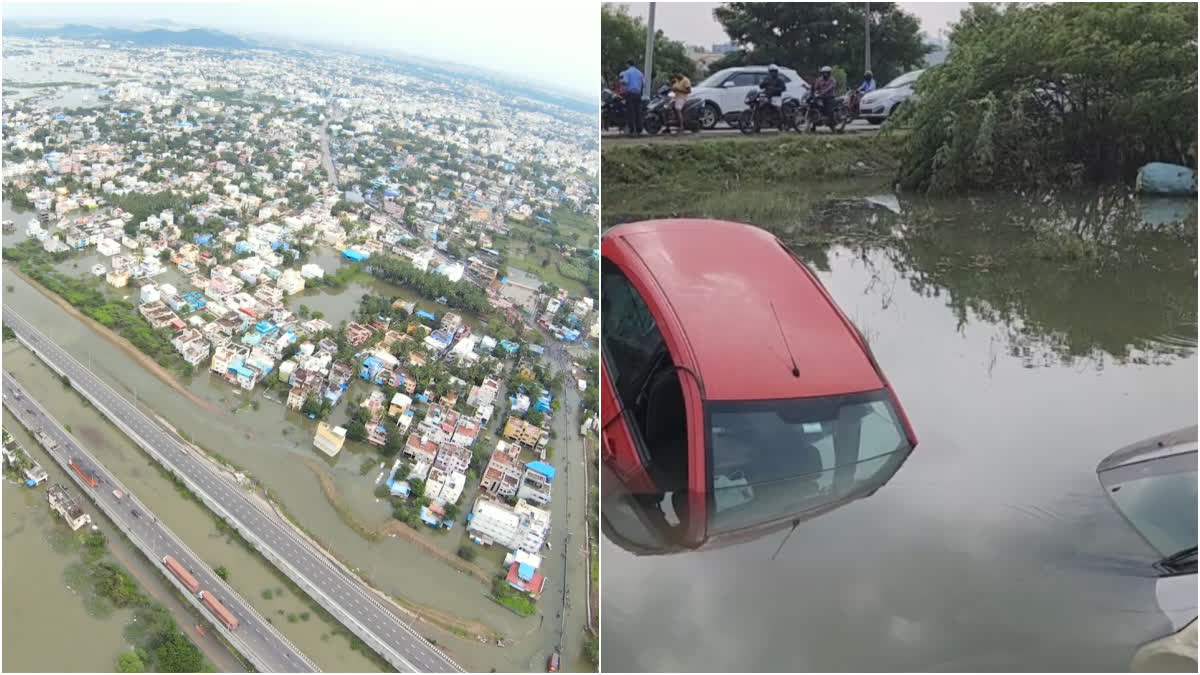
868, 83
825, 90
773, 85
681, 86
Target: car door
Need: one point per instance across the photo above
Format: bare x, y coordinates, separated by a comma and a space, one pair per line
637, 336
735, 88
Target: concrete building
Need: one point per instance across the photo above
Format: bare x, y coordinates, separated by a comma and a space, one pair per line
329, 440
65, 506
525, 433
536, 482
502, 477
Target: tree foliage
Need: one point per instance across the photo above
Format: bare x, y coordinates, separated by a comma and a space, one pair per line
803, 36
130, 662
1054, 93
459, 294
623, 37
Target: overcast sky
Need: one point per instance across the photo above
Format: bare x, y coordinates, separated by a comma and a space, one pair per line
539, 41
693, 23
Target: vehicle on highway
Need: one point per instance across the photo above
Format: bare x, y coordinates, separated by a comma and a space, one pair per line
612, 110
723, 94
814, 115
136, 513
878, 105
745, 438
660, 113
552, 662
1152, 484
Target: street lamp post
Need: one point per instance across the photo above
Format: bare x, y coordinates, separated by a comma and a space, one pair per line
648, 72
867, 51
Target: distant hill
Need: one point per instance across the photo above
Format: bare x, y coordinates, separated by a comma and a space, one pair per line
196, 37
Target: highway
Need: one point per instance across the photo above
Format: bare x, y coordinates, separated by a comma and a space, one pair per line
255, 638
730, 133
327, 581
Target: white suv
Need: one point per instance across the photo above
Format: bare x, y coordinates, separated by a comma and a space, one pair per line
724, 92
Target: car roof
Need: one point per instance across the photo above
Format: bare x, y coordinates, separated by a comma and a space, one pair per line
1178, 442
721, 279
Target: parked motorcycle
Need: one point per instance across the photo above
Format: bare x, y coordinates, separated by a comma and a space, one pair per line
760, 112
612, 110
661, 114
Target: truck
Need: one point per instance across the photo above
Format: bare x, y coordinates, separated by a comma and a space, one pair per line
119, 495
223, 615
185, 577
88, 478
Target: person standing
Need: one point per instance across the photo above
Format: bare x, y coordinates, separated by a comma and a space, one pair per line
632, 81
681, 86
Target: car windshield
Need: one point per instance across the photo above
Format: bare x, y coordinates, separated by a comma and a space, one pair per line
777, 459
1161, 505
715, 79
904, 80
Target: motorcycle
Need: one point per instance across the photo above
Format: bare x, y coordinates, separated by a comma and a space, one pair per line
836, 120
760, 112
661, 113
612, 110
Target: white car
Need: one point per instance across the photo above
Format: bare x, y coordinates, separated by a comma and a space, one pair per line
876, 106
724, 92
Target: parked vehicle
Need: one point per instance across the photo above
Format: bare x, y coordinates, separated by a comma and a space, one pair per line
1152, 484
746, 440
552, 662
660, 113
612, 110
876, 106
724, 93
761, 113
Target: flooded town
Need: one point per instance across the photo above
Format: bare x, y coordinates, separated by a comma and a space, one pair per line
345, 290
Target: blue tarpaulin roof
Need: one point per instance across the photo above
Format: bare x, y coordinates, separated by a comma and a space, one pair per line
542, 468
526, 571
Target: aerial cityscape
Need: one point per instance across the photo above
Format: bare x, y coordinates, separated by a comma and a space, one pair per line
300, 358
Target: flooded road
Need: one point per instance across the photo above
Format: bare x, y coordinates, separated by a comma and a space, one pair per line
270, 443
1027, 340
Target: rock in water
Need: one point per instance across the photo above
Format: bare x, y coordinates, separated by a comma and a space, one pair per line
1159, 178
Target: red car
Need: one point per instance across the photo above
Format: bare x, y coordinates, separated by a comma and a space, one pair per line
733, 388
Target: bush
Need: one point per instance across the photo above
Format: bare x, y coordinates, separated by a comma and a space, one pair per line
1043, 94
467, 553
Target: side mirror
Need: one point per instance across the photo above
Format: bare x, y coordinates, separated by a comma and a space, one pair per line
727, 84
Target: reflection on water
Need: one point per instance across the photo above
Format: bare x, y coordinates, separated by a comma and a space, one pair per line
1027, 338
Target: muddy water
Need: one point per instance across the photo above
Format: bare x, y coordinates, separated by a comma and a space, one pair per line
39, 606
1027, 340
256, 440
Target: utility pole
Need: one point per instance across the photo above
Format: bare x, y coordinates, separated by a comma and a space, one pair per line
867, 51
648, 72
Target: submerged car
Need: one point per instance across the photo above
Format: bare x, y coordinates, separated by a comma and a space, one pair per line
876, 106
738, 398
1152, 484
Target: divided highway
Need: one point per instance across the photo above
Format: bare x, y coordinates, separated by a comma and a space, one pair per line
254, 638
334, 587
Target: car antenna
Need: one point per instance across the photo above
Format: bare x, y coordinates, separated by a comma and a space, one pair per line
795, 524
795, 368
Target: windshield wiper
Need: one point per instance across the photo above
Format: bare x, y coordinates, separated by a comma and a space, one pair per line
1178, 557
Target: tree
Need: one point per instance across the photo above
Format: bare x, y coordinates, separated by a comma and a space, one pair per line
1051, 94
356, 430
130, 662
394, 443
451, 511
222, 572
623, 38
467, 553
535, 417
178, 655
804, 36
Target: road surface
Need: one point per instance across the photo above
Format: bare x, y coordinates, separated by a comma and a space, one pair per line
329, 583
255, 638
856, 127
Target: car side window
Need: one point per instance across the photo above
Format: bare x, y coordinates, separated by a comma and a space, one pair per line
629, 335
746, 79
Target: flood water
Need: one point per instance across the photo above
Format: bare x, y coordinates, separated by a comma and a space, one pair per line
270, 443
1027, 339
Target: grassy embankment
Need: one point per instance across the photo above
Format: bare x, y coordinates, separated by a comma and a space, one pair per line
761, 181
530, 247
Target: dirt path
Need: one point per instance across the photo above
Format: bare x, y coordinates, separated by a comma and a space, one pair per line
121, 343
392, 528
